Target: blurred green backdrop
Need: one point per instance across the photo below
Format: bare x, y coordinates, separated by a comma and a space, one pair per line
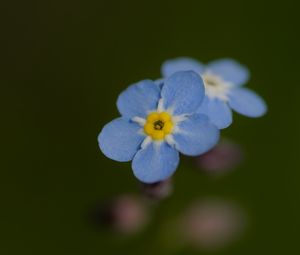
64, 64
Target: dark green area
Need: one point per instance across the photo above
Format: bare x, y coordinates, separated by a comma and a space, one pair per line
64, 64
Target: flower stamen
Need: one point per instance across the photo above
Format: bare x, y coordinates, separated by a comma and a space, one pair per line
158, 125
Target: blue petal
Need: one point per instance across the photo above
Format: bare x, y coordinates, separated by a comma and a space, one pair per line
138, 99
218, 112
197, 135
247, 102
230, 71
183, 92
120, 139
159, 83
172, 66
155, 162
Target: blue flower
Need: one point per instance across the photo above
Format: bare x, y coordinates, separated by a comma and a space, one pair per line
223, 80
156, 124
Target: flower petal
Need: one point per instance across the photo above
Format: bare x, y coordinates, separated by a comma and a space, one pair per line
183, 92
159, 83
120, 139
155, 163
247, 102
218, 112
196, 135
230, 71
138, 99
172, 66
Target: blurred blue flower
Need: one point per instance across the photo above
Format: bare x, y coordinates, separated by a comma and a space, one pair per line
158, 123
223, 80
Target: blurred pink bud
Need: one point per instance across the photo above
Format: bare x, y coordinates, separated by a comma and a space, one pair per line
223, 157
212, 224
126, 214
130, 214
158, 190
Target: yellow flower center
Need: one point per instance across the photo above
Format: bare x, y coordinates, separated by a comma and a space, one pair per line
158, 125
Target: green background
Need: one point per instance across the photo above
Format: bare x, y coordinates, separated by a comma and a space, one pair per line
64, 64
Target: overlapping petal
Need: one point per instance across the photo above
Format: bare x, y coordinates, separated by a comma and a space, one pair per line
120, 139
229, 70
159, 83
196, 135
247, 102
138, 99
172, 66
218, 112
183, 92
155, 162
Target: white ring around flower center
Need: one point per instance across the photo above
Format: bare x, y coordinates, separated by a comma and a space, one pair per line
215, 86
168, 138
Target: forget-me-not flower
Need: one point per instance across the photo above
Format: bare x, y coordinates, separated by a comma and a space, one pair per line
223, 80
157, 123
